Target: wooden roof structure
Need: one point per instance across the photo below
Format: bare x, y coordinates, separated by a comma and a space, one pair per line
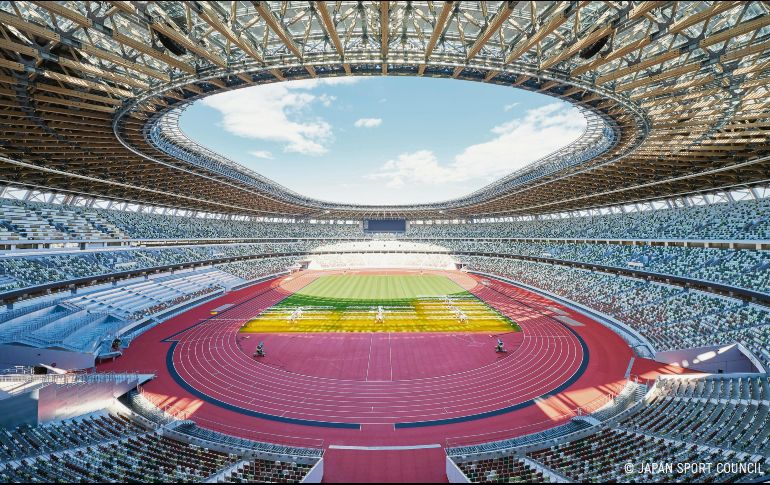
676, 94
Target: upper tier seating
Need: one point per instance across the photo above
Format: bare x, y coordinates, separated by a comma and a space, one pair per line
747, 220
154, 226
25, 221
38, 221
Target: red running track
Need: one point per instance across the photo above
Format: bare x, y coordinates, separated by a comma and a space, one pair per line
209, 359
377, 380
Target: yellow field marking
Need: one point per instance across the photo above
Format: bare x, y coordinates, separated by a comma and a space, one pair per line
418, 317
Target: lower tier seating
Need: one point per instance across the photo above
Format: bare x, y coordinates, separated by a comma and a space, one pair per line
718, 421
26, 441
507, 469
116, 448
147, 458
265, 471
82, 323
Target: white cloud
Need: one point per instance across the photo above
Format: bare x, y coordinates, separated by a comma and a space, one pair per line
336, 81
281, 113
261, 154
515, 144
327, 100
419, 166
509, 107
368, 122
325, 81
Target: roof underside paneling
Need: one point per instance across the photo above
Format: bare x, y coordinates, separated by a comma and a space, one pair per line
675, 93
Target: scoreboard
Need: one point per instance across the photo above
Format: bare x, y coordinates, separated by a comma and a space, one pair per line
384, 225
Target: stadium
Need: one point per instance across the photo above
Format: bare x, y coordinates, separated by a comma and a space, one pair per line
173, 312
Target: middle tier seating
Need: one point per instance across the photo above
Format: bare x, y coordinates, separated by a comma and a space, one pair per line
670, 317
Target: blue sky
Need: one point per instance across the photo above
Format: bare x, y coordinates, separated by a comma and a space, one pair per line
382, 140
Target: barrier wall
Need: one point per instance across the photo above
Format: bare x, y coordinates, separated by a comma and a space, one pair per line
453, 473
713, 359
13, 355
38, 399
18, 410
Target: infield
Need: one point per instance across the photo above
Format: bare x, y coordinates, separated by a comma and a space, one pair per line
381, 303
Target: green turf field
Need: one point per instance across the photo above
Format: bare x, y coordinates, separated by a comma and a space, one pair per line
404, 303
383, 288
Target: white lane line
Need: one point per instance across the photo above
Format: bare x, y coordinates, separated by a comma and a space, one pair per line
384, 448
390, 356
369, 363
